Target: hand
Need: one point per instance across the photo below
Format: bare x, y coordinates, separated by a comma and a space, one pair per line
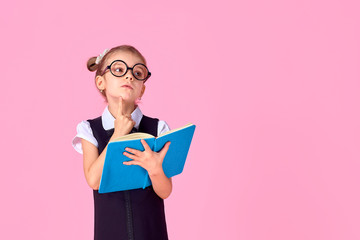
122, 123
147, 159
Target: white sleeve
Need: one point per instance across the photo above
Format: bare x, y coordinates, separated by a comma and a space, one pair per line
162, 127
83, 131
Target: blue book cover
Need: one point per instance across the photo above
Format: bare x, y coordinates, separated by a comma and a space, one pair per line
118, 177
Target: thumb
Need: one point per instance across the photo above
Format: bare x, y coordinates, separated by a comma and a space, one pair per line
165, 149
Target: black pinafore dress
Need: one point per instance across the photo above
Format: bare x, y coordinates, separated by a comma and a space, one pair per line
133, 214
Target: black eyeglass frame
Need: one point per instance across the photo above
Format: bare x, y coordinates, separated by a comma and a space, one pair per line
127, 69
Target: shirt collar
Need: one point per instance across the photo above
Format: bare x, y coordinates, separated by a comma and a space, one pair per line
108, 119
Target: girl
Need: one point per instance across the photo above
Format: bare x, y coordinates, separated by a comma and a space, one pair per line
133, 214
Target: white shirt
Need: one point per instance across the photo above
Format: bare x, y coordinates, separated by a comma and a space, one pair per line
84, 130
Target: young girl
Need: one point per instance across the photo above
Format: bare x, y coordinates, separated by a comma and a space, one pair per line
133, 214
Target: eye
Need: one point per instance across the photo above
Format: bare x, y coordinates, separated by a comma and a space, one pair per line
119, 69
139, 73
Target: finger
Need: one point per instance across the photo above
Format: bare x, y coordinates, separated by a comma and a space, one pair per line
131, 156
133, 163
165, 149
120, 107
146, 146
133, 151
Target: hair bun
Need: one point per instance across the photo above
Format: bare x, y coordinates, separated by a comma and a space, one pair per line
91, 65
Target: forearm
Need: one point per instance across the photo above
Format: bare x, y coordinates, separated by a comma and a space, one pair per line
162, 185
95, 170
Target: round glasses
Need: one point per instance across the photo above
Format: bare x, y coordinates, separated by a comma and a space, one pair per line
118, 68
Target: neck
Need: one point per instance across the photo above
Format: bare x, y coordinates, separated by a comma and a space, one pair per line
128, 107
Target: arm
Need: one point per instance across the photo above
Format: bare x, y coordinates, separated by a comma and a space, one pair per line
162, 185
93, 163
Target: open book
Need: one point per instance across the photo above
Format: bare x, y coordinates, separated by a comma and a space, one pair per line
118, 177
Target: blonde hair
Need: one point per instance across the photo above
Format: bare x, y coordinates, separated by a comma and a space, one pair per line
99, 68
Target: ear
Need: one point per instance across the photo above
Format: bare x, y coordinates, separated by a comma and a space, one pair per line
100, 82
142, 90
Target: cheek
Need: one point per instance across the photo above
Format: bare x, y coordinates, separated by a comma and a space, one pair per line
139, 88
110, 82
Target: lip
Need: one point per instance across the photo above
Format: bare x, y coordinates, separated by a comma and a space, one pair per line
127, 86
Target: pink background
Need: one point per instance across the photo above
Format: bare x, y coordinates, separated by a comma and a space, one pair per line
273, 87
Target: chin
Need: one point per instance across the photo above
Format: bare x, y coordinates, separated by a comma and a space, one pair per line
127, 98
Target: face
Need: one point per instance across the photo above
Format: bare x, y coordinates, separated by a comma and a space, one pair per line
127, 86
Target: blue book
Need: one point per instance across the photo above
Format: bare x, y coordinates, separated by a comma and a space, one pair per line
119, 177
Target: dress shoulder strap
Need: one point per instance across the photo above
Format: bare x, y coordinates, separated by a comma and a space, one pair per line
101, 135
149, 125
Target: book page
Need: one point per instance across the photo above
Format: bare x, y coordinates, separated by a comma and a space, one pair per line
176, 129
133, 136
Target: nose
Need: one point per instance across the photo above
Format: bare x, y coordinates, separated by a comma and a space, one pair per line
130, 78
129, 75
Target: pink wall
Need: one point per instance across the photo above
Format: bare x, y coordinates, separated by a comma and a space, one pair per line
273, 87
